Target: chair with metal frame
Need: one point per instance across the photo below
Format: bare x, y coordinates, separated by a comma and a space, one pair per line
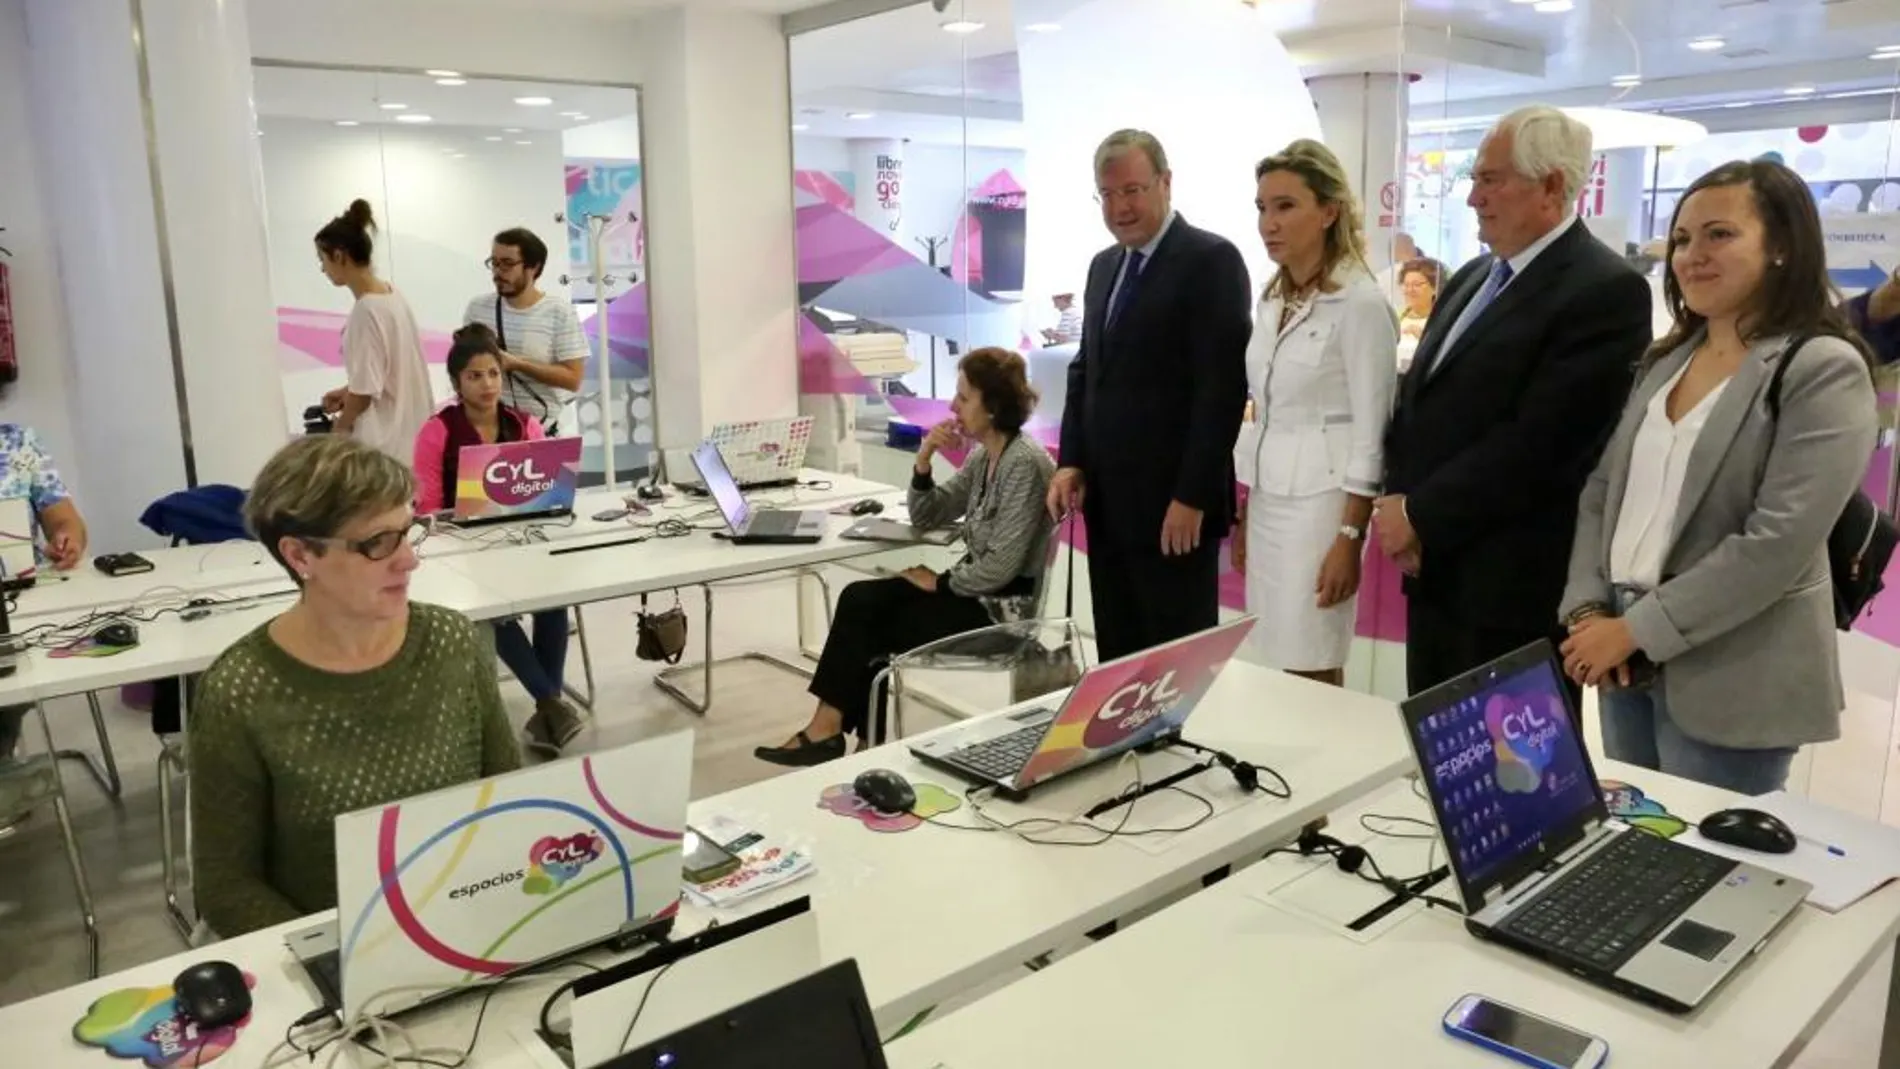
27, 784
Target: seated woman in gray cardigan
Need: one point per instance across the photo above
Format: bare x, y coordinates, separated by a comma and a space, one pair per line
1702, 536
998, 495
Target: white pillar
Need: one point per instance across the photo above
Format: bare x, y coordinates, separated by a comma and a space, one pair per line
125, 259
1611, 202
877, 167
1360, 117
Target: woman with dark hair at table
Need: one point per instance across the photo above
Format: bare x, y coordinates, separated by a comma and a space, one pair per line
477, 417
1700, 597
354, 697
998, 495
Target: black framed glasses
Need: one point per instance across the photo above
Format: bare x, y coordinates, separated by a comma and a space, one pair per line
500, 265
383, 544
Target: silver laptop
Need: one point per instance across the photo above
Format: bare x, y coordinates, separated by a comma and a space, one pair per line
1543, 869
747, 524
761, 452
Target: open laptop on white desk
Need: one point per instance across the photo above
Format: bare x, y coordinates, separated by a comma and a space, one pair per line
747, 524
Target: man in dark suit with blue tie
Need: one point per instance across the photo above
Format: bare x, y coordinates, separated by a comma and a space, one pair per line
1156, 393
1518, 381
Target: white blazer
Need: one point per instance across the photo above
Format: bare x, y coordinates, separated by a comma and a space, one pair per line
1322, 392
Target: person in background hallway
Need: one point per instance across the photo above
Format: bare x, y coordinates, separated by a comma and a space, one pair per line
1702, 535
1321, 373
1420, 282
1068, 326
1155, 396
544, 352
1391, 279
27, 472
1519, 376
387, 396
478, 417
1876, 316
999, 495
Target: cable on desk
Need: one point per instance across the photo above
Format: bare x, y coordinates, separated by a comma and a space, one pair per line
1077, 820
627, 1036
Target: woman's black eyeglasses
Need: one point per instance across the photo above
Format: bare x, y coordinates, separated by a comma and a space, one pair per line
383, 544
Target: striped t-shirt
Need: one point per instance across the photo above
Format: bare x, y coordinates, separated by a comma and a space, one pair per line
547, 332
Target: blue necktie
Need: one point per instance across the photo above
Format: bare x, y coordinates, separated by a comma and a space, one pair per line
1500, 274
1131, 277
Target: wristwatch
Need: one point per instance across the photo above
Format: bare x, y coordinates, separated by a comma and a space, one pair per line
1355, 534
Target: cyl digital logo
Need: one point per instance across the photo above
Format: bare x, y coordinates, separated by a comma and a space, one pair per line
552, 861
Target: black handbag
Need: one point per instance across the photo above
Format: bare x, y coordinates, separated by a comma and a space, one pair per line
1863, 538
1043, 670
662, 635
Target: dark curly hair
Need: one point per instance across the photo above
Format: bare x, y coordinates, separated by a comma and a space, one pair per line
1001, 377
350, 233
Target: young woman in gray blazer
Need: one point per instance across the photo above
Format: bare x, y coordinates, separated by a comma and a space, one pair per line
1699, 596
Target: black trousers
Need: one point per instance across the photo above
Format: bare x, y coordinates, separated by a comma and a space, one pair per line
876, 618
1440, 646
1143, 599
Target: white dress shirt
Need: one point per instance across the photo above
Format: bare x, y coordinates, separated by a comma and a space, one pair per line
1147, 256
1659, 456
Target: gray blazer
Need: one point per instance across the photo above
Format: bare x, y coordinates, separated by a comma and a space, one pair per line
1005, 523
1743, 623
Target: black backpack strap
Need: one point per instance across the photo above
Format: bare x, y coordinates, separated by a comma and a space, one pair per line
1781, 372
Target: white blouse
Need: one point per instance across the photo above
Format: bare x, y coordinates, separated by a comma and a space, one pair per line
1659, 457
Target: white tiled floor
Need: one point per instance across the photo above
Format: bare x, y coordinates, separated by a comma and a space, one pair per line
43, 948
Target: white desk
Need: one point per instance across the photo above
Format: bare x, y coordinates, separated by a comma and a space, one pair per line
1226, 979
927, 913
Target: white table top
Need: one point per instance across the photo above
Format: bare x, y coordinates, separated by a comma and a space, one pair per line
927, 913
1224, 978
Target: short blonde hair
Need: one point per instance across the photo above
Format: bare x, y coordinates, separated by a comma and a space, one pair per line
1122, 141
1326, 177
314, 487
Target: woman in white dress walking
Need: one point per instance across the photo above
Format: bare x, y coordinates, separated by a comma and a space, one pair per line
1321, 371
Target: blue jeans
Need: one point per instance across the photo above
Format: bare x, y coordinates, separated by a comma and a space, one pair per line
1637, 730
539, 665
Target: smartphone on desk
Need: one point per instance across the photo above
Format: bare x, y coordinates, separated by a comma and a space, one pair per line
1523, 1036
704, 860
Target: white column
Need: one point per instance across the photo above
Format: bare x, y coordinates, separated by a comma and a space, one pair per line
1611, 202
1360, 118
126, 254
877, 167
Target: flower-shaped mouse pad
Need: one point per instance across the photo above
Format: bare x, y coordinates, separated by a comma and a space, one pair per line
1638, 810
932, 801
144, 1024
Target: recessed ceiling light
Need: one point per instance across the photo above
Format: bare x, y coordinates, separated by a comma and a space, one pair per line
415, 118
534, 102
1553, 7
1042, 27
511, 130
580, 118
1739, 104
800, 127
459, 156
1627, 81
524, 142
570, 114
443, 74
1708, 44
963, 26
392, 106
1886, 52
491, 139
860, 114
1798, 90
450, 81
348, 122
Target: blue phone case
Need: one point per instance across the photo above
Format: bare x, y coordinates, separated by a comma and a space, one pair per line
1512, 1053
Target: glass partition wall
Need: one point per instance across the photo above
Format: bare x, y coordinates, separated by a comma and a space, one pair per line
446, 161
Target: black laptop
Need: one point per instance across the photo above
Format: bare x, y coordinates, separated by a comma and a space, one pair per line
823, 1020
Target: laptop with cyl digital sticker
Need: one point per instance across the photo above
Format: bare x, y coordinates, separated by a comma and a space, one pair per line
516, 480
1543, 868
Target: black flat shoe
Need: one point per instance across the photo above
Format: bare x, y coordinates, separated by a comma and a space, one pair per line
805, 754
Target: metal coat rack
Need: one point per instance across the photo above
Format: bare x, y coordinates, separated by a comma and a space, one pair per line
597, 228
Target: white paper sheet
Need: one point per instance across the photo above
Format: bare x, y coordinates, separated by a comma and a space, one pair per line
1869, 853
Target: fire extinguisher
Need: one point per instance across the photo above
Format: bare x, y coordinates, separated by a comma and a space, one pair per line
9, 355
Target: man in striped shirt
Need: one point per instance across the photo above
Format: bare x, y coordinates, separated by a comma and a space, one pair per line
544, 352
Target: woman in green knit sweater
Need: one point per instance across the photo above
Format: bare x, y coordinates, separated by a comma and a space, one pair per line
352, 698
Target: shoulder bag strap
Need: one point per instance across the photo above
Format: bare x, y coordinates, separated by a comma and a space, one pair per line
1068, 588
1781, 371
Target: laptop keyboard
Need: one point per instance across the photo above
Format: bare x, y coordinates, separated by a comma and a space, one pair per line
1618, 900
1001, 757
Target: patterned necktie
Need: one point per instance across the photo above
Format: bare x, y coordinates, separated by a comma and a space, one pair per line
1500, 274
1131, 277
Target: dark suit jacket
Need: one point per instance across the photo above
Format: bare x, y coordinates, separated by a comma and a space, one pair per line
1492, 449
1155, 402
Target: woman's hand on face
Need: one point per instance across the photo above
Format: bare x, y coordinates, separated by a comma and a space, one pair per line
1596, 648
1338, 573
941, 437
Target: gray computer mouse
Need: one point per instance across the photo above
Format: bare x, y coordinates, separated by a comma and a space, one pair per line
886, 791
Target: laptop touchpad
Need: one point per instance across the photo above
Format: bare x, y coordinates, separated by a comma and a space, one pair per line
1699, 940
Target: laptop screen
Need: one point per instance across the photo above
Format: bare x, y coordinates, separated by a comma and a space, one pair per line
721, 485
1503, 763
821, 1020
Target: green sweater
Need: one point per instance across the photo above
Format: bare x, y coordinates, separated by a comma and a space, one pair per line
278, 749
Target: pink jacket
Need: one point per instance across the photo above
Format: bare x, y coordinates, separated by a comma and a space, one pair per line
431, 442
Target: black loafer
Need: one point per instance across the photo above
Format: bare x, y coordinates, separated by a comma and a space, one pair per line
805, 754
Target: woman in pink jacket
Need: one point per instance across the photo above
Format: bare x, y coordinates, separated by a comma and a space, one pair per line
477, 417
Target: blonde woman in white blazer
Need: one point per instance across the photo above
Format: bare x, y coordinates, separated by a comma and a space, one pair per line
1321, 372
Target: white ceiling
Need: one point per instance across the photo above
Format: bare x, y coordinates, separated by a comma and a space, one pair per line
290, 92
1470, 57
618, 7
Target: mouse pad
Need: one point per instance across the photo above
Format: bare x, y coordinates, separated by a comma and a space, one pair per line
932, 801
87, 647
144, 1024
1638, 810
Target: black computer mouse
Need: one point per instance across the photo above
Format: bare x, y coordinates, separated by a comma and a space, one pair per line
867, 507
119, 634
887, 791
1750, 829
212, 994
